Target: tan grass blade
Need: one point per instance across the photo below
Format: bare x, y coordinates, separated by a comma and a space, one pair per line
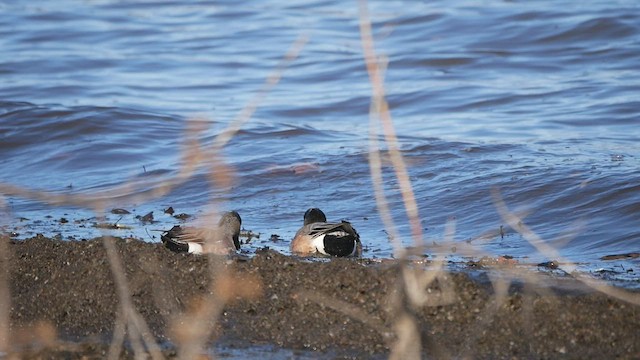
408, 344
193, 340
136, 325
515, 222
271, 81
381, 111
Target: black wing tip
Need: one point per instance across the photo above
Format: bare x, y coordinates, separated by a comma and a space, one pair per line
176, 246
169, 241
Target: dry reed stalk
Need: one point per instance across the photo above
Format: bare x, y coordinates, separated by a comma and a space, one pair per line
203, 318
34, 337
192, 156
117, 340
414, 282
380, 109
137, 328
517, 223
375, 168
129, 318
411, 292
193, 329
272, 80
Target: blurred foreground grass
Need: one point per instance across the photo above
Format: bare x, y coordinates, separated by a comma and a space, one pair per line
193, 328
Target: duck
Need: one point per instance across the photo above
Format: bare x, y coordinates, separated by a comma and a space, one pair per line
221, 240
317, 236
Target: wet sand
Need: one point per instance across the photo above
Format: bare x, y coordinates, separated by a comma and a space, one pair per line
64, 304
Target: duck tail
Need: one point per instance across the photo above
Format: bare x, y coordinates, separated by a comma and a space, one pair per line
340, 244
170, 242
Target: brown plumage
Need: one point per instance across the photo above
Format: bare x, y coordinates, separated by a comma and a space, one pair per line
222, 239
317, 236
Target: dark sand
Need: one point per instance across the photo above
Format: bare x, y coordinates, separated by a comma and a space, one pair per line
64, 304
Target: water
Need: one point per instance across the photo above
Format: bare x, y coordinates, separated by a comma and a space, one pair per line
536, 99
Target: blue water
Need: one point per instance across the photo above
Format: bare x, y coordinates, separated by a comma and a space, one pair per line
536, 99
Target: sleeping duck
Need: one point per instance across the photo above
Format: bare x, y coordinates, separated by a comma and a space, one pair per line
317, 236
221, 240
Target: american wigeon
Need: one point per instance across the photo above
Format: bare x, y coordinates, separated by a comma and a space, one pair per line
319, 236
221, 240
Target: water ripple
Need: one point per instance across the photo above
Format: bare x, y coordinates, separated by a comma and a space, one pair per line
537, 100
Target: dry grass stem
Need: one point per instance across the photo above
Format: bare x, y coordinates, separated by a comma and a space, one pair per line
192, 329
271, 81
119, 332
135, 324
131, 190
221, 175
381, 110
410, 294
416, 286
569, 267
375, 167
193, 156
409, 344
40, 334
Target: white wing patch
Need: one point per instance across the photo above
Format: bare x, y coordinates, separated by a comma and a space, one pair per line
318, 240
318, 243
195, 248
338, 233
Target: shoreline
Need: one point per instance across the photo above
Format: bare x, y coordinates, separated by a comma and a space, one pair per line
341, 306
